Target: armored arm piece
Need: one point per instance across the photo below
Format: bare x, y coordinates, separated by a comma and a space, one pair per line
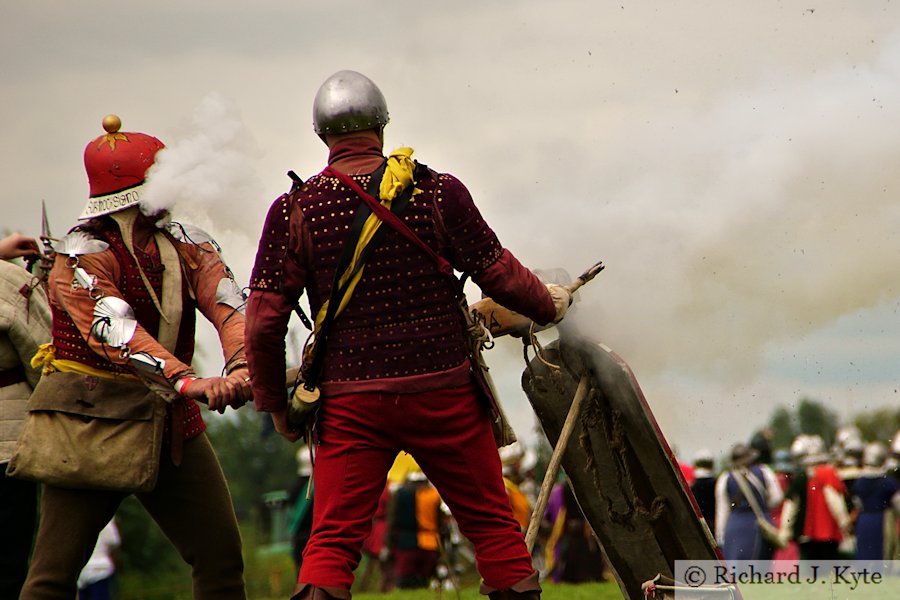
114, 325
110, 322
219, 298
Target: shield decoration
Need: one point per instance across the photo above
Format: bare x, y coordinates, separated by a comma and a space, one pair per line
619, 466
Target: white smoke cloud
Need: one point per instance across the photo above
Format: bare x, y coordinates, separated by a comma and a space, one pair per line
736, 233
207, 176
759, 221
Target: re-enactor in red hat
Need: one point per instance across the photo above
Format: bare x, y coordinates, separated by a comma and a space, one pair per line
396, 375
163, 273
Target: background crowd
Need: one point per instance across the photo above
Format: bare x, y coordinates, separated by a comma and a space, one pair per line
805, 502
820, 503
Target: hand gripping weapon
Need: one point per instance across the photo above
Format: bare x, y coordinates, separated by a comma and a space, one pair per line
499, 320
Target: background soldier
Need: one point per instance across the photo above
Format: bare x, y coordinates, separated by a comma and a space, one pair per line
24, 325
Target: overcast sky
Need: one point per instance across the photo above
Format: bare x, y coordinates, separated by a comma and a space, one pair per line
734, 164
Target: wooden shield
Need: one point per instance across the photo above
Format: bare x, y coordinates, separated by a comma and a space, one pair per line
621, 470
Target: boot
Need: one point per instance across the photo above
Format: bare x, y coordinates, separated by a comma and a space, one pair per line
510, 594
527, 589
305, 591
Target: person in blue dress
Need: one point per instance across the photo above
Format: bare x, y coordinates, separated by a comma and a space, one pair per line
736, 528
876, 497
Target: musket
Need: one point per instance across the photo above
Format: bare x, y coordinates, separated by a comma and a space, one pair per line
585, 277
499, 320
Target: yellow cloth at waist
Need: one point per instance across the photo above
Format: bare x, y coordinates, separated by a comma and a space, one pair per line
46, 359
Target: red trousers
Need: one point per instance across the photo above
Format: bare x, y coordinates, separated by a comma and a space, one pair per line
448, 432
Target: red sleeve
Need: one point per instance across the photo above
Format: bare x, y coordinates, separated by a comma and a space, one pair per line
278, 279
266, 325
475, 248
831, 478
511, 285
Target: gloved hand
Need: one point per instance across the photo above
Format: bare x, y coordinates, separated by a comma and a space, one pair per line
562, 299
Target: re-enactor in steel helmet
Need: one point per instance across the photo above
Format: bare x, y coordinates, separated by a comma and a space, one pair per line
116, 165
348, 101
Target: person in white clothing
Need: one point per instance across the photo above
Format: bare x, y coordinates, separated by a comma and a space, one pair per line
736, 528
95, 581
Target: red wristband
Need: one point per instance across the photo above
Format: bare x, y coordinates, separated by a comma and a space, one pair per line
182, 384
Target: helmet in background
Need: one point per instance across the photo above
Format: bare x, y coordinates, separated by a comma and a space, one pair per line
875, 454
814, 451
848, 445
704, 459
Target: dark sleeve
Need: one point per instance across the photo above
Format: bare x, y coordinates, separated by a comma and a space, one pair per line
476, 250
513, 286
272, 252
276, 283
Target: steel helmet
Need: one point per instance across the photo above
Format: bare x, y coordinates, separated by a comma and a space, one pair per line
799, 447
704, 459
848, 435
875, 454
816, 452
348, 101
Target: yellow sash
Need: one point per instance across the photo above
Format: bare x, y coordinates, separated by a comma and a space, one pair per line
46, 358
398, 174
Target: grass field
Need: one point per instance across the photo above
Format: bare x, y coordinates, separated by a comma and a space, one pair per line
586, 591
272, 576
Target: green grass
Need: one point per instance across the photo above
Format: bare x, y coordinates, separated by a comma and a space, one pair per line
584, 591
135, 589
269, 574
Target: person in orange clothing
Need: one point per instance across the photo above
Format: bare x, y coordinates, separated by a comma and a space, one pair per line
165, 276
414, 527
519, 503
511, 458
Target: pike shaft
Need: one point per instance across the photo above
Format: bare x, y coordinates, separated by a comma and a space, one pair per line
555, 459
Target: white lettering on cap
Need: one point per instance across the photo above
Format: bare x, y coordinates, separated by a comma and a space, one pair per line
103, 205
